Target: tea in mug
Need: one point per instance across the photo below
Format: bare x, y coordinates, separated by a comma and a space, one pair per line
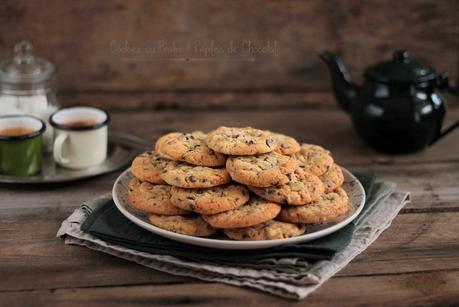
16, 131
81, 123
21, 147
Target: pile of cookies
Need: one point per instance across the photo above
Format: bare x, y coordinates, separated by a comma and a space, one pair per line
252, 184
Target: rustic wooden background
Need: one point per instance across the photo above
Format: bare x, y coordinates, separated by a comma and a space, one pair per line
414, 262
81, 37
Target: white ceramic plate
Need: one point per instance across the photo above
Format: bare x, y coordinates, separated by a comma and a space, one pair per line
351, 185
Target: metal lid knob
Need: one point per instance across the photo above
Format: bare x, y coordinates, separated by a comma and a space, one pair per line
400, 56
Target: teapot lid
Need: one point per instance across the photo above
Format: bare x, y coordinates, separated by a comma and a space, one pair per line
25, 67
401, 69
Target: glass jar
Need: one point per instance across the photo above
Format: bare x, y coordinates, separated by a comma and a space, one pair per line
28, 86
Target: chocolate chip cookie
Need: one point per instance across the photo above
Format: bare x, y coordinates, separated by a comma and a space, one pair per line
191, 225
333, 178
261, 171
314, 159
150, 198
190, 148
327, 208
212, 200
149, 166
241, 141
188, 176
270, 230
286, 145
255, 211
301, 188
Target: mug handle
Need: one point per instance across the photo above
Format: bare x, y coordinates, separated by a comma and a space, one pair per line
57, 149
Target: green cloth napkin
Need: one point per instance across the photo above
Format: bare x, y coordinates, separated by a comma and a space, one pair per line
108, 224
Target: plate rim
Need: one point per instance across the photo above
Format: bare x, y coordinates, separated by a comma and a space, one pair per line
233, 244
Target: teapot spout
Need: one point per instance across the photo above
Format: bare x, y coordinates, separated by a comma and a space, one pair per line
344, 89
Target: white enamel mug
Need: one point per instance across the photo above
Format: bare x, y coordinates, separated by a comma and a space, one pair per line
80, 136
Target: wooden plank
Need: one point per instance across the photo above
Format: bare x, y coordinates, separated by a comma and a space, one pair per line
89, 59
330, 128
98, 62
64, 196
229, 100
199, 100
414, 242
411, 172
374, 29
428, 195
420, 289
30, 239
34, 259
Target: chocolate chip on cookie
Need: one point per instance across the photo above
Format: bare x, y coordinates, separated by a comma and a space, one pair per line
261, 171
188, 176
333, 178
314, 159
241, 141
211, 200
255, 211
270, 230
149, 166
191, 225
301, 188
150, 198
190, 148
286, 145
327, 208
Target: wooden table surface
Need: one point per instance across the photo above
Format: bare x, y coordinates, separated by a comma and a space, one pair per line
414, 262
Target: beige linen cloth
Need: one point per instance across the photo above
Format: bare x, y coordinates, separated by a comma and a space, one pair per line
294, 285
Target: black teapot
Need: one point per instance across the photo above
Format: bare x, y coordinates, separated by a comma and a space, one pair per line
398, 108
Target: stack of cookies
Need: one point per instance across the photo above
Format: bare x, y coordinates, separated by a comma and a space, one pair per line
251, 184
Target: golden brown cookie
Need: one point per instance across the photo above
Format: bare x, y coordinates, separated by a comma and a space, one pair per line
150, 198
190, 148
286, 145
270, 230
333, 178
261, 171
326, 209
189, 177
211, 200
149, 166
314, 159
241, 141
301, 188
255, 211
191, 225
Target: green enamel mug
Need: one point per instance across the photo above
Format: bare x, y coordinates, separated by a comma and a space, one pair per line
21, 145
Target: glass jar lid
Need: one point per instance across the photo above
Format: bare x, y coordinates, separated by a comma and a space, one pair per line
25, 67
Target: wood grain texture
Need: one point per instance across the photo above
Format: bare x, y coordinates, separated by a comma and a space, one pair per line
440, 195
414, 262
200, 100
34, 258
329, 128
418, 289
86, 40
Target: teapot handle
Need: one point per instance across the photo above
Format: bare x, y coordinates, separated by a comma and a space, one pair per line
443, 84
445, 132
